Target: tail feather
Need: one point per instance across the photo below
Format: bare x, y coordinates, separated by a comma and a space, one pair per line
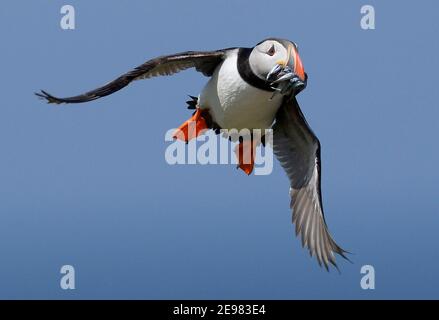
192, 104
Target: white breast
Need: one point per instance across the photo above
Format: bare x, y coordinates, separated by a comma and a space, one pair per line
233, 103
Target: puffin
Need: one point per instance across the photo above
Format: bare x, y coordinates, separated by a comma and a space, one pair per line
250, 88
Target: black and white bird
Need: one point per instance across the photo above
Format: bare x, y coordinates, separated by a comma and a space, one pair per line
252, 88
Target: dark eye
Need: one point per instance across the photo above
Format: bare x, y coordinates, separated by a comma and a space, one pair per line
271, 51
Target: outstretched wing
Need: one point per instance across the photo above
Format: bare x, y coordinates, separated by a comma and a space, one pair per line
298, 151
204, 62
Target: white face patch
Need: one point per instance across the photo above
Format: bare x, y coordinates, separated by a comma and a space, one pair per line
265, 56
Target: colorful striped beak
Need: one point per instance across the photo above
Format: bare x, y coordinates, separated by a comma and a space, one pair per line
295, 63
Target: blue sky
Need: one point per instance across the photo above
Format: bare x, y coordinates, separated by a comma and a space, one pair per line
88, 185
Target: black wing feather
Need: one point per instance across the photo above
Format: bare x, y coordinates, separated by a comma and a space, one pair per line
298, 151
203, 61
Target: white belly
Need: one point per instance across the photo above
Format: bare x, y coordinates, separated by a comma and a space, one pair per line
233, 103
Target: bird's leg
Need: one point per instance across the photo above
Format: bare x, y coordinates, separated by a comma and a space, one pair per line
245, 153
192, 128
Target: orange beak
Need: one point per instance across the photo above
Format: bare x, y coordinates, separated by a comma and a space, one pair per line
298, 66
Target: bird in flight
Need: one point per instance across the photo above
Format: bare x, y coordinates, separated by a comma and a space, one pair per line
253, 88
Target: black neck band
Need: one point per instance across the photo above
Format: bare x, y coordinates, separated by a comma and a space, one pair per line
246, 72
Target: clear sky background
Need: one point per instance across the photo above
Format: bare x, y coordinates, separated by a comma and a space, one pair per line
88, 185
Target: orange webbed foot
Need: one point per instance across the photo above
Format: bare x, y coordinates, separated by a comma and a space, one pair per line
192, 128
245, 153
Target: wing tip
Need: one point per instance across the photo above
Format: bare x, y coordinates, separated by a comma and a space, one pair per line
43, 95
330, 260
341, 252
